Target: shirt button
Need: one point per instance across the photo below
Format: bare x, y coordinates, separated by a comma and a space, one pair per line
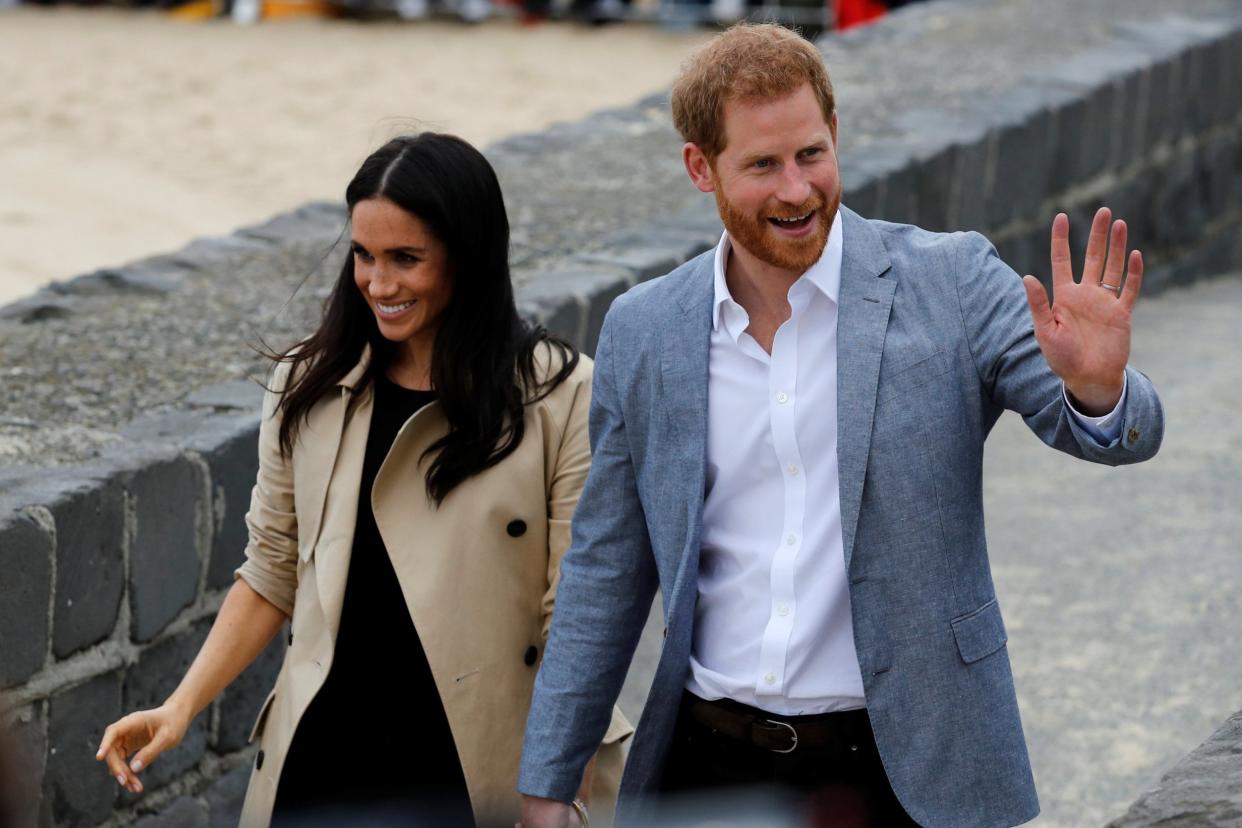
793, 470
782, 398
769, 679
791, 540
782, 610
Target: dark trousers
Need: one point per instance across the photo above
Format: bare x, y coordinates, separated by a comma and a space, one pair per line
840, 783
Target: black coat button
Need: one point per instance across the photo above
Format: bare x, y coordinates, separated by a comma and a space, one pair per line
258, 761
532, 654
516, 528
290, 638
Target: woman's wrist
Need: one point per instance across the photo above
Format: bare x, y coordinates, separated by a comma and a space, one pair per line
581, 810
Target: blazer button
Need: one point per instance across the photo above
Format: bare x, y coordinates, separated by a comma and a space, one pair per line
258, 761
516, 528
1133, 436
532, 654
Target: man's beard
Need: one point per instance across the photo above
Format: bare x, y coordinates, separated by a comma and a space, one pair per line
759, 238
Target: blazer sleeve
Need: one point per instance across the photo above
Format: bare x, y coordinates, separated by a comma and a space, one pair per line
568, 476
607, 583
272, 550
1014, 374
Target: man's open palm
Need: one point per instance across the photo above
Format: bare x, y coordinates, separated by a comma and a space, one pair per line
1085, 333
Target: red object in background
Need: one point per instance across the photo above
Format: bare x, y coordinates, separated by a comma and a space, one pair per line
856, 12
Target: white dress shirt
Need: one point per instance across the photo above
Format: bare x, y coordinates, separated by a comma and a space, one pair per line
772, 624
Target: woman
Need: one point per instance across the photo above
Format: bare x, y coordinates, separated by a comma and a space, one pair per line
420, 457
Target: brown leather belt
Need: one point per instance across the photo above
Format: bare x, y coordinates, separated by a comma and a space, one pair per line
843, 731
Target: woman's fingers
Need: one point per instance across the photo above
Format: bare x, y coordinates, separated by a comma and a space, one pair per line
122, 738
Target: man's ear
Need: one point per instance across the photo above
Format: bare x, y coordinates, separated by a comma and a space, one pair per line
698, 167
832, 127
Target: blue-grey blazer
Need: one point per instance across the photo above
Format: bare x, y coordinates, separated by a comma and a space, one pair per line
934, 341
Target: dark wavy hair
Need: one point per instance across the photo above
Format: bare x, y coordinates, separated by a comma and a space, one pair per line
483, 362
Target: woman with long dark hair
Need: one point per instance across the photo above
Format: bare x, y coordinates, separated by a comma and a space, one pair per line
421, 454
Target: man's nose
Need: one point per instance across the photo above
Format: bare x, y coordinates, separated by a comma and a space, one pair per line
794, 186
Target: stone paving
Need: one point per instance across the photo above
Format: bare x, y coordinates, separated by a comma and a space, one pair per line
1122, 588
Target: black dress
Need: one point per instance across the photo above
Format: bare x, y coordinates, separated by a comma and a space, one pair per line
374, 746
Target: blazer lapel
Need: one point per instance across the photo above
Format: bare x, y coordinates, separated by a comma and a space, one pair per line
685, 338
866, 300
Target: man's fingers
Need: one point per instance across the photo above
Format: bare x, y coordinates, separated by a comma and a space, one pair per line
1062, 268
1134, 280
1113, 271
1037, 298
1097, 247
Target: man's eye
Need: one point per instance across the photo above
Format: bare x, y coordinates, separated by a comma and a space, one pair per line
763, 164
808, 153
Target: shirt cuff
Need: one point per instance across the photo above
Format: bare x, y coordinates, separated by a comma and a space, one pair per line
1104, 430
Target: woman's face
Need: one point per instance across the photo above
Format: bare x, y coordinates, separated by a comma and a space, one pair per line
402, 270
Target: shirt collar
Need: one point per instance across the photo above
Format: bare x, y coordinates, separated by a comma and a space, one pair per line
825, 274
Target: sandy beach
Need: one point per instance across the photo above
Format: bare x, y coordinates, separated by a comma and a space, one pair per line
125, 133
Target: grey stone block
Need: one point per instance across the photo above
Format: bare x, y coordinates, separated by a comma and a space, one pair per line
900, 194
643, 261
861, 192
1178, 201
230, 447
1131, 200
166, 498
239, 704
26, 561
182, 812
27, 739
242, 395
934, 190
1214, 163
660, 238
217, 252
556, 309
225, 798
317, 222
89, 518
40, 307
595, 286
1203, 789
150, 680
1024, 137
1131, 119
77, 790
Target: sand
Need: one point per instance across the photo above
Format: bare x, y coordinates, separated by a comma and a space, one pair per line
125, 133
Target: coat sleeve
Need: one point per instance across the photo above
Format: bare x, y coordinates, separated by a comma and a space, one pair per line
569, 473
607, 582
272, 550
1014, 374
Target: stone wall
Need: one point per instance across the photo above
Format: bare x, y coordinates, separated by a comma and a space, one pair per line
128, 429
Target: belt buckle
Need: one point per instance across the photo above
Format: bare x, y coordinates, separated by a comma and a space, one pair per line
792, 732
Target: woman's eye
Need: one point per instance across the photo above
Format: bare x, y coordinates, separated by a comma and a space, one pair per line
362, 254
406, 259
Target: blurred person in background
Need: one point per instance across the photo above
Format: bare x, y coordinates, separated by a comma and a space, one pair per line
420, 456
788, 437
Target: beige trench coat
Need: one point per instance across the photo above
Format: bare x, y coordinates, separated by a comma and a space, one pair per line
479, 591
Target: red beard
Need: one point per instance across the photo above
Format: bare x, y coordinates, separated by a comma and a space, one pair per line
759, 238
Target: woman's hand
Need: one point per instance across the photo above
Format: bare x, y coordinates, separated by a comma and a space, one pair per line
145, 735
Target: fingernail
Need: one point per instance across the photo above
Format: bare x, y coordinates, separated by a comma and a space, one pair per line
120, 780
135, 765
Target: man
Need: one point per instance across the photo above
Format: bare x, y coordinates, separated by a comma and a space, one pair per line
788, 440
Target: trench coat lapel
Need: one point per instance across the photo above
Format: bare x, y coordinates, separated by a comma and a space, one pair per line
862, 322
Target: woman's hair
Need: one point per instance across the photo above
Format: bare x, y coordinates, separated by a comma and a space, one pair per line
747, 62
483, 365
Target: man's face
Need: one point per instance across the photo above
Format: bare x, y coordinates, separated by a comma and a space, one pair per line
776, 181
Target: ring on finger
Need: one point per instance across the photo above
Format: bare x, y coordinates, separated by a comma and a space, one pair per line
1113, 288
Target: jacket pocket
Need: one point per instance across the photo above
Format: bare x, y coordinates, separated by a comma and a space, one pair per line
979, 633
262, 717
